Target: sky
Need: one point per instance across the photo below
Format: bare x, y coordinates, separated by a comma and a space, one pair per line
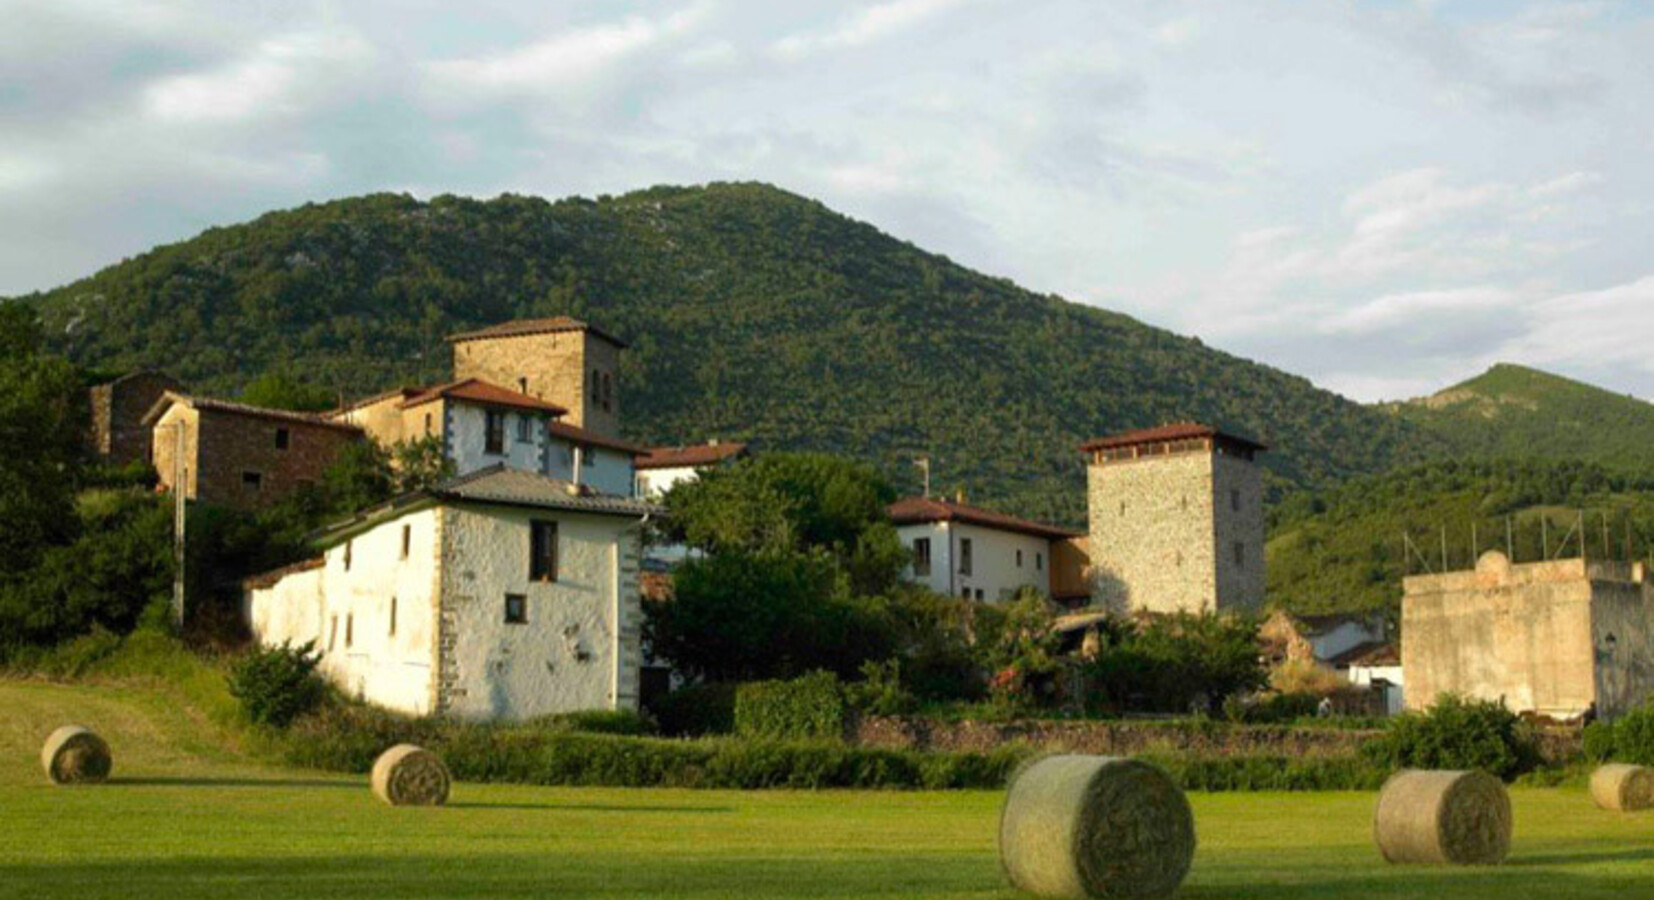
1384, 197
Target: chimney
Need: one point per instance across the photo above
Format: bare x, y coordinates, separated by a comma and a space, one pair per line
959, 496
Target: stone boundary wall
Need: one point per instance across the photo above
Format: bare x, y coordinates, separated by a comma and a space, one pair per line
1127, 738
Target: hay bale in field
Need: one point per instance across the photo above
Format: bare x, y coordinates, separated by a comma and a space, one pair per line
75, 755
1095, 826
1461, 818
406, 775
1623, 788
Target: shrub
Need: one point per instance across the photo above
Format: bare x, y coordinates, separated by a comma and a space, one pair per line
1634, 737
1270, 773
1457, 734
276, 685
1270, 709
697, 709
603, 721
1598, 739
811, 707
881, 692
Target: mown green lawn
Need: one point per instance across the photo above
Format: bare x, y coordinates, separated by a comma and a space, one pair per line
185, 817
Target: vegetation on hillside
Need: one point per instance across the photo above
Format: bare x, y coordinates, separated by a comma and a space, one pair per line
752, 314
1514, 411
1343, 549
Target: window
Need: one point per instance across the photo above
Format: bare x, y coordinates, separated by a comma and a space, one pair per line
1240, 555
542, 554
332, 631
964, 593
965, 556
921, 556
350, 630
979, 594
1039, 561
393, 617
427, 424
516, 609
524, 429
1122, 509
407, 540
252, 481
347, 554
597, 388
608, 392
522, 385
1234, 499
494, 435
1019, 559
281, 438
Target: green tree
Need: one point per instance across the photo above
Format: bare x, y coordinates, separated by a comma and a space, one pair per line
279, 389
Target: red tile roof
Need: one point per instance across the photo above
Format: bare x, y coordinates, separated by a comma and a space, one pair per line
1370, 653
519, 327
1165, 433
582, 436
169, 398
478, 391
915, 510
692, 456
402, 392
269, 579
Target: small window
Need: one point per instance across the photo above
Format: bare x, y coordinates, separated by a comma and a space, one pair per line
921, 556
407, 540
1019, 559
1039, 561
427, 424
525, 429
522, 385
542, 562
1122, 509
516, 609
1240, 555
980, 595
347, 554
597, 388
393, 617
494, 435
608, 393
965, 556
350, 630
252, 481
965, 593
1234, 500
332, 631
281, 438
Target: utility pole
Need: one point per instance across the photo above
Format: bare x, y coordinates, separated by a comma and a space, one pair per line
180, 506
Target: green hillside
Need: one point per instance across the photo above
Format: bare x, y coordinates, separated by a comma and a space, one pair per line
1516, 411
1343, 549
753, 314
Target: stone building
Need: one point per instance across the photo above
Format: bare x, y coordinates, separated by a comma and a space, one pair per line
119, 434
502, 594
1557, 638
1176, 520
232, 454
560, 360
978, 554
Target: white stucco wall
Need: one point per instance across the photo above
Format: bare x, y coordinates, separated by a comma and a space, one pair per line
466, 431
578, 648
652, 483
1345, 636
609, 471
994, 569
323, 604
1394, 698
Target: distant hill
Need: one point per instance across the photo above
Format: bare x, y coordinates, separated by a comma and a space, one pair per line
753, 314
1513, 411
1343, 549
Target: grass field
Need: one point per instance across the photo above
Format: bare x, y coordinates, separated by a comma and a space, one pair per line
185, 817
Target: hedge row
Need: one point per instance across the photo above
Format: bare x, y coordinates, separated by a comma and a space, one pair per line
806, 708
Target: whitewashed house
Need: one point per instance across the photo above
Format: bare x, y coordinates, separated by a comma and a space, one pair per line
501, 594
482, 425
661, 468
1376, 666
979, 554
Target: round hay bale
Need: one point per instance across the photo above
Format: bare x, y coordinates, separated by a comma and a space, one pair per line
406, 775
1095, 826
1461, 818
1623, 788
75, 755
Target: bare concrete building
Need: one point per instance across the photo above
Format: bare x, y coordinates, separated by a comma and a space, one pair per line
1176, 520
119, 434
1556, 637
232, 454
560, 360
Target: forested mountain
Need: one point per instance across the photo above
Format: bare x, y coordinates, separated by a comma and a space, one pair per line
1511, 410
1343, 549
752, 313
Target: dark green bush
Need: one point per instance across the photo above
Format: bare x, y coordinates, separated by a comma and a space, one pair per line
806, 708
1598, 741
603, 721
1628, 739
1457, 734
695, 710
276, 685
881, 691
1271, 709
1271, 773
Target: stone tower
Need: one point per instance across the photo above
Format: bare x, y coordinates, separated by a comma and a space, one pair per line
559, 360
1176, 520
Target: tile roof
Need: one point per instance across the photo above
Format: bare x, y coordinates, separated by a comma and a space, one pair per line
478, 391
516, 487
578, 435
404, 392
168, 399
691, 456
1164, 433
1370, 653
269, 579
518, 327
914, 510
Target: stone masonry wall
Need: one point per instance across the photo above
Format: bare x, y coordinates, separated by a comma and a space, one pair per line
232, 444
118, 410
1152, 533
1237, 488
556, 367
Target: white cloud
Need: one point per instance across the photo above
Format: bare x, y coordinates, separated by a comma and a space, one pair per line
1600, 330
1414, 310
865, 26
268, 80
